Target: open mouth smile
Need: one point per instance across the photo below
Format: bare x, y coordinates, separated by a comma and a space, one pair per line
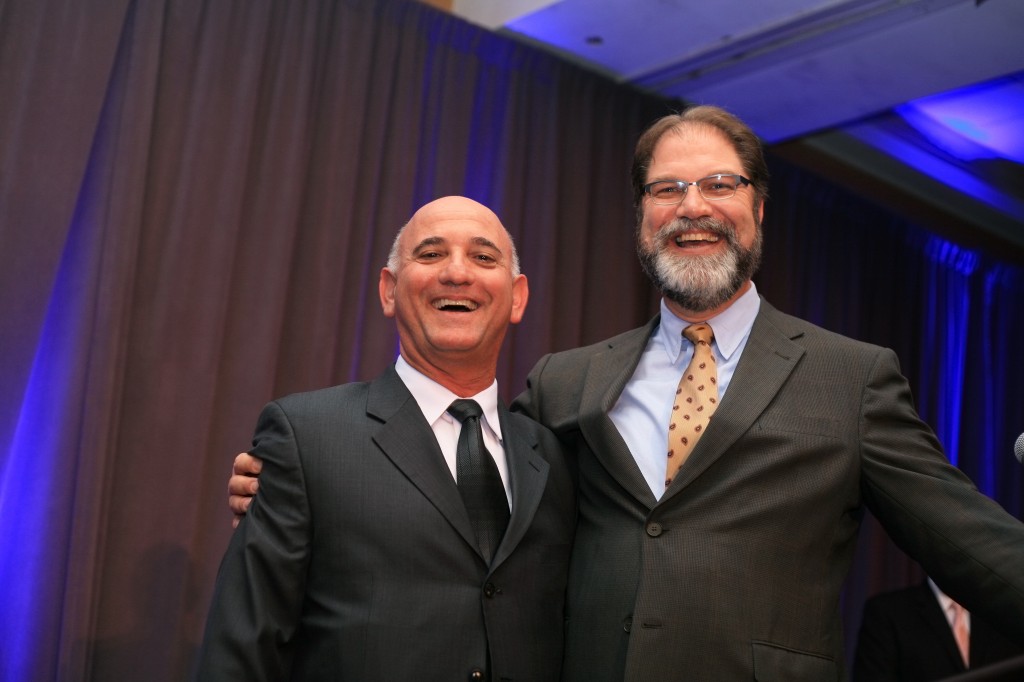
687, 239
452, 305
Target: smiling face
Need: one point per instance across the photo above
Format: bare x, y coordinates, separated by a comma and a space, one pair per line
701, 254
452, 288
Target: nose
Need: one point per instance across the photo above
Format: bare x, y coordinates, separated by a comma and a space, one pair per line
457, 269
693, 205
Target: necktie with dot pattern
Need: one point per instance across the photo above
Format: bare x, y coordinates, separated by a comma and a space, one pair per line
696, 399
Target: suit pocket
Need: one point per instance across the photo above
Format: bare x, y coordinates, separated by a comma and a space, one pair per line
777, 664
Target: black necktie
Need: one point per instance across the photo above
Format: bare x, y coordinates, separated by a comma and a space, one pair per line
478, 479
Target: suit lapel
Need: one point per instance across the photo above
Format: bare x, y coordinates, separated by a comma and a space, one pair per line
407, 440
528, 474
768, 359
605, 378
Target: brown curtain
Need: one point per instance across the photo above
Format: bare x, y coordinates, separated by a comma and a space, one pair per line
195, 202
197, 199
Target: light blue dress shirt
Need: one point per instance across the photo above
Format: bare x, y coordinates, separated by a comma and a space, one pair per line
642, 412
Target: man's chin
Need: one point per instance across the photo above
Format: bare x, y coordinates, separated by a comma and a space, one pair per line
702, 301
469, 343
701, 283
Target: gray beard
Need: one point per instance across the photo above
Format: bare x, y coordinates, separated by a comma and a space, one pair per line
698, 283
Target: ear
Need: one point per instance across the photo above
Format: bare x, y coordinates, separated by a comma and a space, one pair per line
520, 295
386, 287
760, 212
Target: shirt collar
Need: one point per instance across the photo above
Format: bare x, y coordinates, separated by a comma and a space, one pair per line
945, 601
731, 326
434, 399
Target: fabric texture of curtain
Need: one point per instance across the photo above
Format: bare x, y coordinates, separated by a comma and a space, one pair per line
196, 199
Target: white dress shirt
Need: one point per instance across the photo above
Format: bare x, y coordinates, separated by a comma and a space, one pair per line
434, 399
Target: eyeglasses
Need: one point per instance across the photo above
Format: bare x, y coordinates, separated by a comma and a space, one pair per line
712, 188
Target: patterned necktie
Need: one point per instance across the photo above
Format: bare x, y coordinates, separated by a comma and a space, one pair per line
478, 479
960, 633
696, 399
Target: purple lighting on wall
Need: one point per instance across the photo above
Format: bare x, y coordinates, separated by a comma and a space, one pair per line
978, 122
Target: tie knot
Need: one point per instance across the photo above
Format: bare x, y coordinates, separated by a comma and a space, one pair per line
463, 409
698, 333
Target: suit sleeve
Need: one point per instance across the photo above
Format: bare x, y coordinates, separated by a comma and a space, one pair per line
964, 540
257, 600
876, 656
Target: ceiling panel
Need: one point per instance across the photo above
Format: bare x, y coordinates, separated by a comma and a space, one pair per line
800, 69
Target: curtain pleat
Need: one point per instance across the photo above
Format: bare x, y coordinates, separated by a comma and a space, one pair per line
196, 199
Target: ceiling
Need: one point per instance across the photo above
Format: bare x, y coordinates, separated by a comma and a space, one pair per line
923, 95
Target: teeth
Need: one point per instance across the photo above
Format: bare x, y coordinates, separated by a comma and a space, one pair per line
443, 303
695, 237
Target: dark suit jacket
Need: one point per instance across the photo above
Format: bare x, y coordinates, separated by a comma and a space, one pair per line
736, 573
905, 637
357, 562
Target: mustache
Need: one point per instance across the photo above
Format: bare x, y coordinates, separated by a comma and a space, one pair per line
678, 226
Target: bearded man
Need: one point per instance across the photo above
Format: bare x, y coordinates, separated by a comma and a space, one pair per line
719, 552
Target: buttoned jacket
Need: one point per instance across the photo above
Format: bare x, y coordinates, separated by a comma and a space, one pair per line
736, 572
357, 561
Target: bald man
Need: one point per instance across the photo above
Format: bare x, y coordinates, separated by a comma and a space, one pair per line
360, 560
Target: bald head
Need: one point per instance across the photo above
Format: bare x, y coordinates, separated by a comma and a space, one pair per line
454, 208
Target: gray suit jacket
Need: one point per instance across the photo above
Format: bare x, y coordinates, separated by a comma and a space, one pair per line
357, 562
736, 573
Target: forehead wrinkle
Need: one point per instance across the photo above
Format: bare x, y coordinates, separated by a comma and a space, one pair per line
436, 240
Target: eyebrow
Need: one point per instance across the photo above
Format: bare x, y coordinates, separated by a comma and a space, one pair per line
435, 241
672, 178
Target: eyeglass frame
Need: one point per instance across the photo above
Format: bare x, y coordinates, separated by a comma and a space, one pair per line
685, 186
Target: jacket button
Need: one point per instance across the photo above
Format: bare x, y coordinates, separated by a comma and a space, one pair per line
490, 590
654, 529
476, 674
627, 623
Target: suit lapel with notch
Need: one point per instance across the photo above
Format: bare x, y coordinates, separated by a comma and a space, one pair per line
768, 359
406, 438
604, 379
